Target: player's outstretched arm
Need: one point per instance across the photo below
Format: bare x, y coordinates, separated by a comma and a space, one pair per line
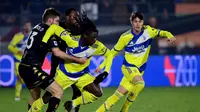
60, 54
162, 33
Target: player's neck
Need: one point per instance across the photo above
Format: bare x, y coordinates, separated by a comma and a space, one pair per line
136, 31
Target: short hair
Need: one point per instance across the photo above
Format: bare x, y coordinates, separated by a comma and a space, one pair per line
50, 13
136, 15
68, 11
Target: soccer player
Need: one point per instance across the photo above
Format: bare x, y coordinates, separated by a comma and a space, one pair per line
36, 49
78, 74
17, 46
136, 42
70, 24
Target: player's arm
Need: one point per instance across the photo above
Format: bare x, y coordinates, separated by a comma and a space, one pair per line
53, 29
162, 33
102, 50
117, 48
60, 32
62, 55
12, 45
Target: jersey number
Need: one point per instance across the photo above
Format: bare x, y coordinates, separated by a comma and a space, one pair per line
31, 39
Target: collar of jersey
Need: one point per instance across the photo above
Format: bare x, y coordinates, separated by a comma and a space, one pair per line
136, 36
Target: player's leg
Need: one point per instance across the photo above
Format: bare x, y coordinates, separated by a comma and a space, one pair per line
18, 84
138, 85
62, 80
76, 94
122, 90
90, 92
34, 95
57, 93
27, 74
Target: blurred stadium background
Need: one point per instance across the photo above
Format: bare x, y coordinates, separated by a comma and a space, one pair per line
173, 72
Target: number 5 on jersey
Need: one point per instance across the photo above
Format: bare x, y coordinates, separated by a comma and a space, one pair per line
31, 39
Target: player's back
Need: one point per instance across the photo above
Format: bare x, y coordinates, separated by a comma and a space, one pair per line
36, 50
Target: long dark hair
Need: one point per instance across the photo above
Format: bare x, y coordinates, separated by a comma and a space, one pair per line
87, 26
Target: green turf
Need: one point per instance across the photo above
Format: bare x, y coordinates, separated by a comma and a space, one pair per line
150, 100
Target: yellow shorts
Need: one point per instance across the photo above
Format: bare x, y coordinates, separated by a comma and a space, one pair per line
129, 74
64, 81
16, 68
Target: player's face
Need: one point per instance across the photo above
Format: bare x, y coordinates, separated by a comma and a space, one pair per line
72, 18
27, 27
56, 20
137, 24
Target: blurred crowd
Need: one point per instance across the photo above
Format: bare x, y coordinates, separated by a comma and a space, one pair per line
160, 14
103, 12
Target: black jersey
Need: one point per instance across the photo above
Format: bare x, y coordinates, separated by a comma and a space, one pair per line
36, 50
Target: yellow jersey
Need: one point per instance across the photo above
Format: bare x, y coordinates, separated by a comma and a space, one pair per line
18, 43
75, 70
137, 47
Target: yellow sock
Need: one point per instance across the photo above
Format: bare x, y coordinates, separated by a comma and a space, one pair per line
110, 102
137, 88
37, 106
18, 87
85, 98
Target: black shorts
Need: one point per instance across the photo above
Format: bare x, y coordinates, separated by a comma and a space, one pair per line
34, 76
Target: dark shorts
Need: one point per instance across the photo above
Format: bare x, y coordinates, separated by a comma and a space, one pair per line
34, 77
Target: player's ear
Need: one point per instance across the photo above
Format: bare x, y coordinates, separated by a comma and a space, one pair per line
50, 20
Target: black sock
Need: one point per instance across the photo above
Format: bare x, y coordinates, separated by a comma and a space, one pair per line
29, 106
47, 95
53, 104
77, 108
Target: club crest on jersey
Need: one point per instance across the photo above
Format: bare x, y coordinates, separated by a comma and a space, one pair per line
138, 49
64, 33
55, 43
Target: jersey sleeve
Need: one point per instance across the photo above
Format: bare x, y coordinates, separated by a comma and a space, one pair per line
119, 46
159, 33
66, 36
60, 32
12, 45
107, 63
53, 29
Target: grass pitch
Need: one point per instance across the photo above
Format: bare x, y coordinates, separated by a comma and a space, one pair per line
154, 99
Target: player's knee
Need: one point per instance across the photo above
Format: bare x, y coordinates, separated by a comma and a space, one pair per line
59, 92
55, 90
19, 79
140, 85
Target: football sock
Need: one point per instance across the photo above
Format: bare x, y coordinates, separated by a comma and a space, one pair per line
110, 102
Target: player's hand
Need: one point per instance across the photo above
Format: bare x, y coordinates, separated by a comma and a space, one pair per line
21, 52
100, 77
81, 60
172, 40
98, 70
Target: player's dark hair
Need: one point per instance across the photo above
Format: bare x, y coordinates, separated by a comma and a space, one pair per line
136, 15
68, 11
87, 26
50, 13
